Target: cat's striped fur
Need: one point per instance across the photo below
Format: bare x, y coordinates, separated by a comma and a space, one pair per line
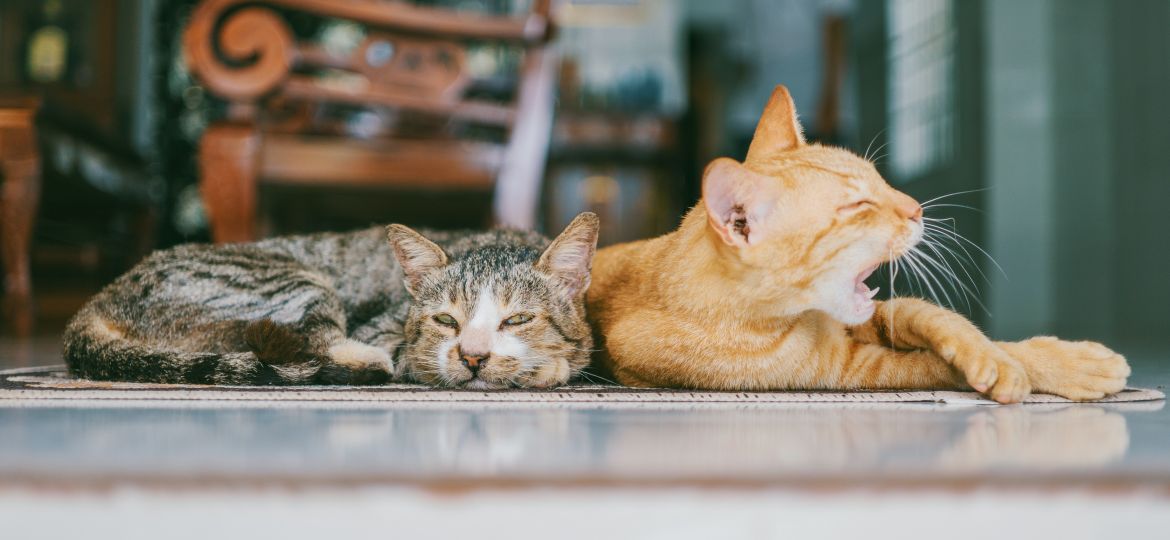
334, 309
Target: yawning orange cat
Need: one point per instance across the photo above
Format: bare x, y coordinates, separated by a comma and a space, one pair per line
762, 287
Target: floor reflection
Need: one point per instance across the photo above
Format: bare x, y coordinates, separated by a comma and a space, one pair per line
469, 441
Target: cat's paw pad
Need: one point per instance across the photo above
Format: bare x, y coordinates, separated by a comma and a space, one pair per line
1078, 370
990, 371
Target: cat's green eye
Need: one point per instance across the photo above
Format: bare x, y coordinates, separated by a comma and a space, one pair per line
518, 319
446, 320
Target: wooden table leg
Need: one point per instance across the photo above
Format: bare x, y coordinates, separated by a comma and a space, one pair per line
19, 195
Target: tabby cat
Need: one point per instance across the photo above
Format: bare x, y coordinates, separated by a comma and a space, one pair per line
472, 310
763, 287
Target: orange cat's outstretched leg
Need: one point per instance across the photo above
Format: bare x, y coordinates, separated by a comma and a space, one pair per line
873, 366
911, 323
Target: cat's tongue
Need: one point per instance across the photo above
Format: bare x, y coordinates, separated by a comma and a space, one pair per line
859, 288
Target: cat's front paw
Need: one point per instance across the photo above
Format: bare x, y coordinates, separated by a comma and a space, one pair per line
1078, 370
988, 369
354, 362
546, 376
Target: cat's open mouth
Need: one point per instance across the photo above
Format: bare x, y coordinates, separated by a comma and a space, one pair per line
862, 294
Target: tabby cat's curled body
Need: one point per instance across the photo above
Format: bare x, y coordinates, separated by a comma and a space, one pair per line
478, 310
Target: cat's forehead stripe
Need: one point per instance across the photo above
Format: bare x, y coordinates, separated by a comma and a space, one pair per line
486, 311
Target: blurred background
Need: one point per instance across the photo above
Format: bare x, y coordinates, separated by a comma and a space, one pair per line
132, 125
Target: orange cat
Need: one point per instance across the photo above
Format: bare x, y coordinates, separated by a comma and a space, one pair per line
762, 288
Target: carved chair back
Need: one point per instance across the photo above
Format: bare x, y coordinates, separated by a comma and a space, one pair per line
425, 122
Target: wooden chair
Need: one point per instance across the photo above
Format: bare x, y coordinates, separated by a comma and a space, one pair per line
412, 61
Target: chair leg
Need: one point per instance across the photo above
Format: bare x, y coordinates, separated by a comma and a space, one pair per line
228, 164
18, 207
517, 196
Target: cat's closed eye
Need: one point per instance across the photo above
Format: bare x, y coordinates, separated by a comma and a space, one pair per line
446, 320
857, 206
517, 319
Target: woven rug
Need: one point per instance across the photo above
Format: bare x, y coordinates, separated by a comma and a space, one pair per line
54, 383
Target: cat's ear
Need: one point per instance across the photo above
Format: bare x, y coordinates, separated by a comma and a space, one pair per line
417, 255
737, 201
569, 258
778, 131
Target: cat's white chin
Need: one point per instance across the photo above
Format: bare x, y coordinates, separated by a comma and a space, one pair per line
480, 384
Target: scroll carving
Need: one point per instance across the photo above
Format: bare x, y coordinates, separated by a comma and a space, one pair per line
243, 51
255, 38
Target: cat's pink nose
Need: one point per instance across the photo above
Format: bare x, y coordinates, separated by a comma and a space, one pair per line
909, 209
473, 361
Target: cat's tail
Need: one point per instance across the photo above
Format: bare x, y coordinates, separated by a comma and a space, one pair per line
96, 349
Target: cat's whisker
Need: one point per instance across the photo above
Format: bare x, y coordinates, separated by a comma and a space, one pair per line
910, 277
914, 283
940, 197
945, 272
971, 289
586, 377
944, 266
593, 377
936, 233
871, 141
936, 243
865, 154
950, 205
521, 379
940, 221
959, 237
433, 370
927, 278
893, 293
942, 237
868, 156
943, 232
